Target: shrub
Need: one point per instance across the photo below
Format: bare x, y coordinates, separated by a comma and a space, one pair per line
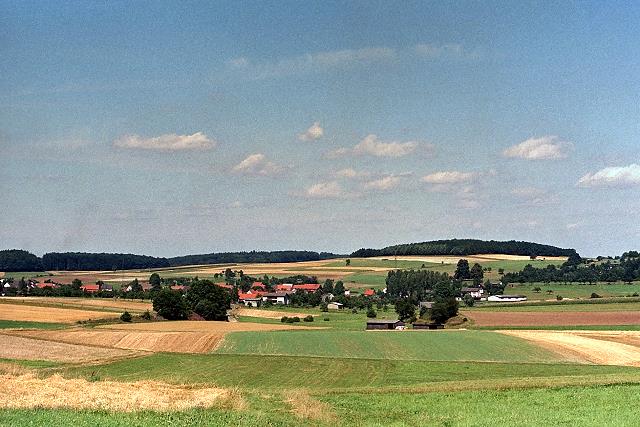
146, 315
323, 307
559, 298
468, 300
326, 319
125, 317
354, 311
284, 319
289, 320
309, 318
635, 294
296, 319
371, 313
594, 295
171, 305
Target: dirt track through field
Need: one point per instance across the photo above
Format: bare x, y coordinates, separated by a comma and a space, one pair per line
588, 346
560, 318
23, 312
15, 347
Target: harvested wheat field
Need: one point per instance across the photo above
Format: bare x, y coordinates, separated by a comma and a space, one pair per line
586, 346
27, 391
173, 342
266, 314
24, 312
15, 347
561, 318
201, 326
437, 259
102, 303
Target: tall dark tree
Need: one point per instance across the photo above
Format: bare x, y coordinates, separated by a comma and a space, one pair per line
208, 300
171, 305
328, 287
462, 270
406, 310
156, 282
477, 274
338, 288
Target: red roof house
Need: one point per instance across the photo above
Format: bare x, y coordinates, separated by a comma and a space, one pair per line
259, 285
90, 288
369, 293
307, 287
284, 287
224, 285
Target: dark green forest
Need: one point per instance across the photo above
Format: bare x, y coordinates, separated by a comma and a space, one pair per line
467, 247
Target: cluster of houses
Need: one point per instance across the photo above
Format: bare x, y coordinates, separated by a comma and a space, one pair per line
258, 293
478, 293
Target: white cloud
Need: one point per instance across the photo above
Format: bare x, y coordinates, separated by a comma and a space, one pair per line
450, 177
167, 142
257, 164
620, 176
350, 173
310, 62
383, 184
372, 146
449, 50
314, 133
543, 148
326, 190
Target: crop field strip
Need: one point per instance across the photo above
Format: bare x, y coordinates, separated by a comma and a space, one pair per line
45, 314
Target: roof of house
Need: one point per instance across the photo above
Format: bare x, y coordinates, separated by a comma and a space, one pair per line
44, 285
307, 286
276, 294
510, 296
335, 303
224, 285
471, 289
369, 292
384, 321
90, 287
249, 296
286, 286
179, 287
258, 285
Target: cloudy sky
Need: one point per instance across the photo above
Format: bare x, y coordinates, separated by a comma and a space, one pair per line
187, 127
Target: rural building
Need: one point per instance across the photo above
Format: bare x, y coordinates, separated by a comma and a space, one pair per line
476, 293
428, 326
369, 292
335, 306
106, 288
259, 286
282, 298
347, 293
426, 304
507, 298
250, 299
307, 287
91, 289
374, 324
284, 287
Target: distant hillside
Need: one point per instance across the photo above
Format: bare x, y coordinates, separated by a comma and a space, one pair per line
19, 260
466, 247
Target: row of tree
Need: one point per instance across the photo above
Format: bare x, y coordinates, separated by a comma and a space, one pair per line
466, 247
19, 260
627, 269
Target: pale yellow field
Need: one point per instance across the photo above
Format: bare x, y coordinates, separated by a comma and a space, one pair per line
14, 347
472, 258
200, 326
28, 391
23, 312
86, 303
174, 342
267, 314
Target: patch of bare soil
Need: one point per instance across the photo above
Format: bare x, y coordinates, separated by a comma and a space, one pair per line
28, 391
583, 347
560, 318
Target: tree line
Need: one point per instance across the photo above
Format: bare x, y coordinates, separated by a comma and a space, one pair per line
575, 270
466, 247
20, 260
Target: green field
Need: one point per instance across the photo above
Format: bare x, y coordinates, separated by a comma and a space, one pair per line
574, 290
389, 345
14, 324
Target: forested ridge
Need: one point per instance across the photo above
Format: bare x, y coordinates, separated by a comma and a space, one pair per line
19, 260
467, 247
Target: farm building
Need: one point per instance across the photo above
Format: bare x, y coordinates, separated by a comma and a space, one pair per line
507, 298
369, 292
250, 299
474, 292
335, 306
284, 287
374, 324
426, 304
428, 326
307, 287
282, 298
259, 286
92, 289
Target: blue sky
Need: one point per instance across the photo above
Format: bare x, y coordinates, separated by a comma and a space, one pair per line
169, 128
